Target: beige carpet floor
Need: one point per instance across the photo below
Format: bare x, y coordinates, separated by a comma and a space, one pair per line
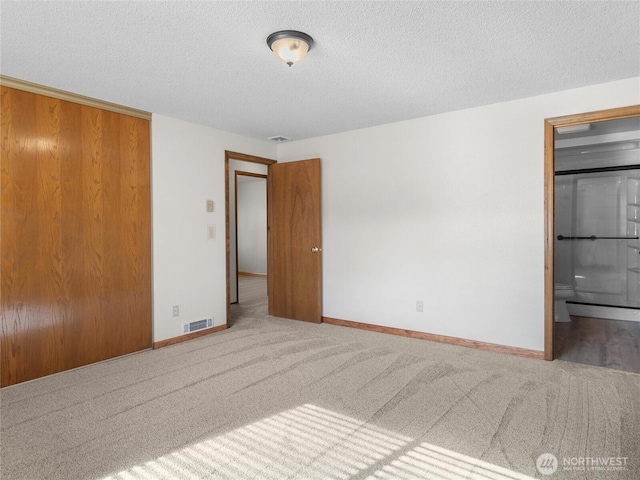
280, 399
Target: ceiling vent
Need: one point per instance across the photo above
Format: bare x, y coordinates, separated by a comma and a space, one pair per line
279, 139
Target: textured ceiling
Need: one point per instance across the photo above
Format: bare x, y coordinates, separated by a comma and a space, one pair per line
372, 63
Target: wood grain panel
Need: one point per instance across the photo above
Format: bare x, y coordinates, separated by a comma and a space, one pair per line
76, 236
461, 342
25, 86
597, 116
549, 232
294, 229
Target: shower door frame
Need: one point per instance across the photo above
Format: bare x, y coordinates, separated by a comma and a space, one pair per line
549, 201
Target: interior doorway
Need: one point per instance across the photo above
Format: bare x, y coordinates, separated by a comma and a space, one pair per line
250, 234
245, 163
294, 237
585, 272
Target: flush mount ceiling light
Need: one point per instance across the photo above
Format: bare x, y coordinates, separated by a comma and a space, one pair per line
290, 46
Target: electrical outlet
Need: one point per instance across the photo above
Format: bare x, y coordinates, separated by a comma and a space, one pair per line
419, 306
209, 205
211, 232
176, 310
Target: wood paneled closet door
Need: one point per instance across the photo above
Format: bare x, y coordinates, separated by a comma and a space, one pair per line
76, 235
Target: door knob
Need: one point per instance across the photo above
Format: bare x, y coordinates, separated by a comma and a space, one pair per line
316, 250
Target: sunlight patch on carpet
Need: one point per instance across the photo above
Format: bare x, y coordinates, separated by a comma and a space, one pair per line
313, 443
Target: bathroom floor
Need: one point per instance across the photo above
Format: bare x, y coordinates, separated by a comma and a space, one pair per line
595, 341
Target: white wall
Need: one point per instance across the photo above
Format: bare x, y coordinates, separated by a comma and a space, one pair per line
188, 269
446, 209
252, 226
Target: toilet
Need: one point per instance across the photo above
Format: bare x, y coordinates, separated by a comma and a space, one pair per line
561, 293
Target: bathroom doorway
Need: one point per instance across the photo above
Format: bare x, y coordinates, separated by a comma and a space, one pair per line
592, 282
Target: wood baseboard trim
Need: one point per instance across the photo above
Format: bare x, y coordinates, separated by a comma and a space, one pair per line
251, 274
461, 342
188, 336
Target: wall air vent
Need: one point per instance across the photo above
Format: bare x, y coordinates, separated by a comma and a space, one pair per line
279, 139
197, 325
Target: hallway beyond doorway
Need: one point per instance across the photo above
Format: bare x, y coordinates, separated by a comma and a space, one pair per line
251, 288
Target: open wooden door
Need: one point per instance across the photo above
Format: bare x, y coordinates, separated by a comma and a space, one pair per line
294, 239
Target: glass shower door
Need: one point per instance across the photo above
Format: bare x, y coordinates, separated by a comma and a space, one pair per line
633, 229
604, 238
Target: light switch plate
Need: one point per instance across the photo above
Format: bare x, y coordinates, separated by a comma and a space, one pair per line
211, 232
209, 205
